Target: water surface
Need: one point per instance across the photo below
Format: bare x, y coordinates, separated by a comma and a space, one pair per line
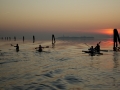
62, 67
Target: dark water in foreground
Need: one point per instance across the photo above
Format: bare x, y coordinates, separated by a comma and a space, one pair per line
64, 67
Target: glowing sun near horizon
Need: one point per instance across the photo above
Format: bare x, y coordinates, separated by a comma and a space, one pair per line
106, 31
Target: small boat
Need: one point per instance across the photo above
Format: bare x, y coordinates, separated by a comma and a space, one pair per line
93, 53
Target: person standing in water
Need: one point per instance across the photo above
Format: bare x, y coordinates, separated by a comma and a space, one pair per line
17, 48
53, 39
1, 38
23, 38
33, 38
116, 39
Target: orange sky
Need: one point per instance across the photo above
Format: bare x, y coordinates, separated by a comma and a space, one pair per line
107, 31
72, 16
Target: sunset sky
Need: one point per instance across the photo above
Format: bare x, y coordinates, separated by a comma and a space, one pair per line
61, 17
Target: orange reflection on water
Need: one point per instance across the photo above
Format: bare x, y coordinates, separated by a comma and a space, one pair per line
107, 43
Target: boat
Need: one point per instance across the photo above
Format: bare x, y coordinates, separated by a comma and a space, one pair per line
92, 54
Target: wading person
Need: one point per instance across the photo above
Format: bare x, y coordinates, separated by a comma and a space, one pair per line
23, 38
33, 38
116, 39
53, 39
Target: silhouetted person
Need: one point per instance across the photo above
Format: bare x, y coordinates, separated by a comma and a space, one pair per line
23, 38
17, 48
40, 48
14, 38
97, 48
53, 38
116, 38
91, 49
33, 38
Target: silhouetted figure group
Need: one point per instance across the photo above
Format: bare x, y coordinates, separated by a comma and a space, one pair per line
6, 38
95, 50
40, 48
92, 50
116, 39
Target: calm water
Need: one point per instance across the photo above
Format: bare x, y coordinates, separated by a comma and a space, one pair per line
62, 67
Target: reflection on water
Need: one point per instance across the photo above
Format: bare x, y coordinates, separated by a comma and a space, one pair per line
116, 59
53, 45
64, 67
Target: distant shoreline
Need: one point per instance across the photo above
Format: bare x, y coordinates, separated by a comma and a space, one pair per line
83, 37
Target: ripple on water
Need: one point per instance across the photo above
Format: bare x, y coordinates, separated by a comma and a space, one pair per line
52, 73
49, 74
2, 79
73, 80
59, 84
32, 87
63, 59
40, 87
17, 88
58, 71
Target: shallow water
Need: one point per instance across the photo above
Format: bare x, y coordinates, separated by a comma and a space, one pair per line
62, 67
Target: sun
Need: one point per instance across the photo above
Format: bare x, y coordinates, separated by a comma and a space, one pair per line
106, 31
109, 31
